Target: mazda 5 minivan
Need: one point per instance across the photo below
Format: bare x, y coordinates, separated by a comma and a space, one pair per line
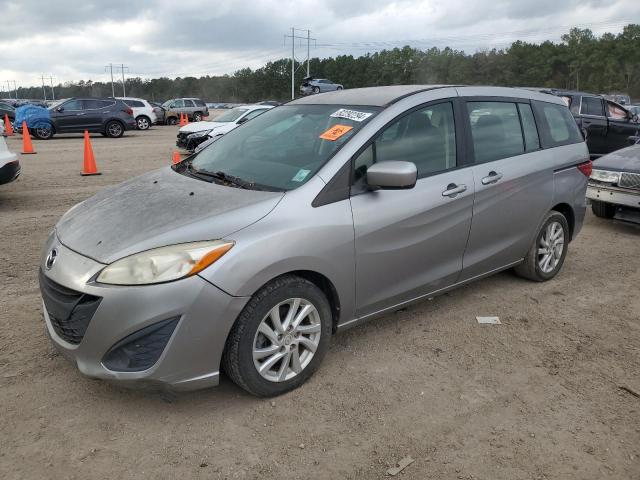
314, 217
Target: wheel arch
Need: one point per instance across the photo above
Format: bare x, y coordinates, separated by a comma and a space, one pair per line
566, 210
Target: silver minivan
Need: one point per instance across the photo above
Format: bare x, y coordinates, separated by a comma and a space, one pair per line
317, 215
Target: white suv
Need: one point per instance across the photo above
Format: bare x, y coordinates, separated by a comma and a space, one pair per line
142, 112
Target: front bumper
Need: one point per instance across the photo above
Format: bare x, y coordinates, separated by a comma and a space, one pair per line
617, 196
9, 172
189, 143
191, 357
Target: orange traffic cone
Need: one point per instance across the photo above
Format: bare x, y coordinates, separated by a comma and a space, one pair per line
186, 119
8, 129
89, 167
27, 147
181, 120
176, 158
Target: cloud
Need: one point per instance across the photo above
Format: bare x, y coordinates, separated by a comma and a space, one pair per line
74, 40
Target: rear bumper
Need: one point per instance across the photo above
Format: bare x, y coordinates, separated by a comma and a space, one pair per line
190, 359
9, 172
616, 196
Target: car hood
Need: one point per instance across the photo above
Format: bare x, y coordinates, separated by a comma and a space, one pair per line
159, 208
201, 126
625, 160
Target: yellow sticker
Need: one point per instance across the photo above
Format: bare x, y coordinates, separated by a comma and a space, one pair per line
335, 132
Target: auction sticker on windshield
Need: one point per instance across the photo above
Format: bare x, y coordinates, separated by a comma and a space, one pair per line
351, 115
336, 132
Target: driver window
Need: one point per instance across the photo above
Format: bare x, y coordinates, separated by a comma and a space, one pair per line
616, 111
425, 137
72, 105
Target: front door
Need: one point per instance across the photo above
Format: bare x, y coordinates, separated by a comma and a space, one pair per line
594, 121
68, 115
409, 243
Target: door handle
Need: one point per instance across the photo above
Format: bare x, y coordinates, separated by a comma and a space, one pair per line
493, 177
453, 190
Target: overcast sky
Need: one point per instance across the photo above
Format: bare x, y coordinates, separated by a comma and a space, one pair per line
74, 40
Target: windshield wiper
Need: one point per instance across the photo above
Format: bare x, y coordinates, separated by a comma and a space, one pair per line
225, 177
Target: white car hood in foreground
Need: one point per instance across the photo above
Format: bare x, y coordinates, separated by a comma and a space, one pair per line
201, 126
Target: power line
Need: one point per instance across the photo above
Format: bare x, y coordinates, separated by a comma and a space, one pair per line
293, 38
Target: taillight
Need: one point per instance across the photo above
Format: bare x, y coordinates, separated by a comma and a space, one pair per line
586, 168
129, 110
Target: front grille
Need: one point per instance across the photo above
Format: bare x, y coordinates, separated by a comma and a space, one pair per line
629, 180
69, 311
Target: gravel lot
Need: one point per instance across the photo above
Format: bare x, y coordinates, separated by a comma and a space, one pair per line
537, 397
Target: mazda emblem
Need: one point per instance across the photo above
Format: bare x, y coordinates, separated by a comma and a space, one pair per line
51, 259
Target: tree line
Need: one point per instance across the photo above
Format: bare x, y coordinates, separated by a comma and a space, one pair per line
609, 63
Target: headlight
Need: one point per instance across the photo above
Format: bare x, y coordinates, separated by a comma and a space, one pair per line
605, 176
203, 133
164, 264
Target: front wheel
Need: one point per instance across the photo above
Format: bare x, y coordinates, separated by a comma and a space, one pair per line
43, 133
602, 209
546, 256
172, 121
280, 337
114, 129
316, 89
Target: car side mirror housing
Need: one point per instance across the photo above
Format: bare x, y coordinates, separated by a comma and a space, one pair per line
392, 175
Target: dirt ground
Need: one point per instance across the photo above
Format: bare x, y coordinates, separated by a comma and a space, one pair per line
537, 397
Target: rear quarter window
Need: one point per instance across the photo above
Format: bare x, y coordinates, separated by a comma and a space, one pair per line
557, 125
200, 103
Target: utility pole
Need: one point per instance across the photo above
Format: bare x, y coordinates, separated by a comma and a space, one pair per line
44, 92
15, 88
110, 67
8, 89
122, 67
53, 93
293, 38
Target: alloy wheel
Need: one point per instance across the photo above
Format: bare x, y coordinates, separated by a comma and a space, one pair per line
115, 129
143, 123
550, 247
286, 340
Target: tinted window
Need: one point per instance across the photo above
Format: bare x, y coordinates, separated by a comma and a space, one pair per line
177, 104
72, 105
134, 103
91, 104
425, 137
106, 103
200, 103
189, 103
495, 129
531, 140
559, 126
592, 106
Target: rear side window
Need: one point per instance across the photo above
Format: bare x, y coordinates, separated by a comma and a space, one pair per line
592, 106
134, 103
189, 103
495, 130
558, 125
200, 103
531, 140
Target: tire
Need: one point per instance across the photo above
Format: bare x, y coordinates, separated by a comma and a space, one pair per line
197, 117
603, 209
172, 120
238, 358
316, 89
143, 122
43, 133
339, 88
114, 129
532, 267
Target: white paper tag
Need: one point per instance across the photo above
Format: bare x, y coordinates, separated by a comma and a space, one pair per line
489, 320
351, 115
301, 175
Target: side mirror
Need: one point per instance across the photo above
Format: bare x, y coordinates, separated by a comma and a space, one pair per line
60, 109
392, 175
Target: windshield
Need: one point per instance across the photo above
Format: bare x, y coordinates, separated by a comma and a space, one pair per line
231, 115
56, 103
284, 147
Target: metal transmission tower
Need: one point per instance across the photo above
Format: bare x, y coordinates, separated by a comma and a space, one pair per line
123, 68
293, 38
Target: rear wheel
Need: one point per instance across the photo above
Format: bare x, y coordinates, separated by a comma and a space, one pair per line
602, 209
143, 123
197, 116
279, 338
546, 256
114, 129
